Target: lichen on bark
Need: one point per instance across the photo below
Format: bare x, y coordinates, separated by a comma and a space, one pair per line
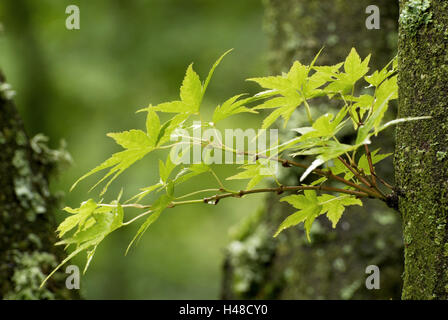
415, 14
27, 207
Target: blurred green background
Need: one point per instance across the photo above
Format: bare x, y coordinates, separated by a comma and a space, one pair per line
78, 85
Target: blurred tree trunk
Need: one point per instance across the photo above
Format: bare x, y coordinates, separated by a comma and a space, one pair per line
27, 225
333, 265
421, 158
17, 17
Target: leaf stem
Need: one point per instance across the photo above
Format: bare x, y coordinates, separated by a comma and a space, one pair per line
391, 187
137, 217
308, 110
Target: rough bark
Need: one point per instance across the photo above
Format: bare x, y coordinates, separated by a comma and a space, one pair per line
27, 224
333, 265
421, 159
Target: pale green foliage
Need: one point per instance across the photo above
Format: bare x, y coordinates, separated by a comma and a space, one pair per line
231, 107
254, 172
334, 206
157, 208
93, 223
282, 95
137, 145
311, 206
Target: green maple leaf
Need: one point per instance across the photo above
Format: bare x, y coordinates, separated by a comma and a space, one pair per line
137, 145
309, 209
94, 224
334, 207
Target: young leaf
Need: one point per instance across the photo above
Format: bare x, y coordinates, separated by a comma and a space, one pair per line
172, 107
319, 181
152, 126
330, 151
78, 218
353, 66
145, 191
285, 112
354, 69
255, 172
137, 145
132, 139
378, 77
165, 169
190, 172
212, 70
373, 121
230, 107
191, 90
309, 209
334, 207
324, 126
386, 92
290, 87
157, 208
105, 221
168, 127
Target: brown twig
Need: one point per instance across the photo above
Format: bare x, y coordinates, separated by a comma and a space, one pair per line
374, 190
328, 174
372, 169
280, 190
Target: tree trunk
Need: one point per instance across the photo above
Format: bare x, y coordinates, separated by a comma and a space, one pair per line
421, 159
27, 224
18, 20
333, 265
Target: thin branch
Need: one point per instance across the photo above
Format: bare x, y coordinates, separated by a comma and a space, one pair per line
377, 193
280, 190
372, 175
372, 169
215, 198
290, 163
391, 187
355, 172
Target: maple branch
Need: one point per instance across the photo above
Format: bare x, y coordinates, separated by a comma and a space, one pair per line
291, 163
217, 197
377, 193
372, 169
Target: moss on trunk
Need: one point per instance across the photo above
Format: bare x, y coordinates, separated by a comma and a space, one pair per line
421, 159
